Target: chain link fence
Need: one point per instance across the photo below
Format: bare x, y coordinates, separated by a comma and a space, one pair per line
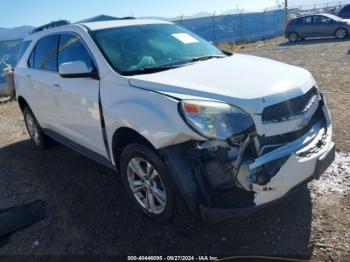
327, 7
8, 57
241, 26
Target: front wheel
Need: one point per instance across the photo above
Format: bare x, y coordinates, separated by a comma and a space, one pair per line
146, 179
340, 33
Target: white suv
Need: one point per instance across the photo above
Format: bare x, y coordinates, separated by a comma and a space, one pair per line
178, 118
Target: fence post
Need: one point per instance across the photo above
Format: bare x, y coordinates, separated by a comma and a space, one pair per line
214, 33
240, 26
264, 35
286, 12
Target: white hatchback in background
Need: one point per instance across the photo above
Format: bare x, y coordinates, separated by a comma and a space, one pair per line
176, 116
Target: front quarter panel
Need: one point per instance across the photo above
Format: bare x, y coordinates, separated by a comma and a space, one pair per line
154, 116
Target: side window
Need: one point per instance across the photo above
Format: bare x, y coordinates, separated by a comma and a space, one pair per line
22, 49
72, 49
316, 19
294, 22
325, 20
46, 53
307, 20
31, 59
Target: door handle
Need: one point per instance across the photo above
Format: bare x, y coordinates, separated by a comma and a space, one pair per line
57, 85
28, 76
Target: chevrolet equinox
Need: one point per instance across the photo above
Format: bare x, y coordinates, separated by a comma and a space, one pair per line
177, 118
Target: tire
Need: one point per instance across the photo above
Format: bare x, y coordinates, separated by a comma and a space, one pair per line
138, 157
293, 37
340, 33
40, 140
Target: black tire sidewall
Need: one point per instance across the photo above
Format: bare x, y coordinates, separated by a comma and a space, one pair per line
42, 144
140, 150
297, 37
335, 33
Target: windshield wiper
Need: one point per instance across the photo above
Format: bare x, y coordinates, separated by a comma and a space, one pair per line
155, 69
149, 70
206, 57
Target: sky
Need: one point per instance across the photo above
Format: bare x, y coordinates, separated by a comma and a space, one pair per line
38, 12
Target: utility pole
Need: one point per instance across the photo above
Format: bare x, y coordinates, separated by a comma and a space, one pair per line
286, 11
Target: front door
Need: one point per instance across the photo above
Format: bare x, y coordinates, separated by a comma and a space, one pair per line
323, 26
77, 99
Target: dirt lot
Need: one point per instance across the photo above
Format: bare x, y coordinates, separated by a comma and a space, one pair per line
88, 212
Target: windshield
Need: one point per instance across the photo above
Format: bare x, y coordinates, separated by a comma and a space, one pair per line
334, 17
132, 49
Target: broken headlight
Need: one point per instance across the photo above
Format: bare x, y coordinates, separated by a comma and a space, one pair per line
216, 120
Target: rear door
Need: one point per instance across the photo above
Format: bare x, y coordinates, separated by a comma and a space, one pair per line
77, 99
306, 26
42, 76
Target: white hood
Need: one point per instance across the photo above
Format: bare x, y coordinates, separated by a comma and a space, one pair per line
234, 80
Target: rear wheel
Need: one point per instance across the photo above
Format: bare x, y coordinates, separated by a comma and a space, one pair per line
293, 37
35, 132
146, 179
340, 33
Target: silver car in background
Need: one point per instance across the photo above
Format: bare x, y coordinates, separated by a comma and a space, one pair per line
323, 25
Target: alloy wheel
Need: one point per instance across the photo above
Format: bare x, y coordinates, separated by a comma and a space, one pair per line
293, 37
340, 33
32, 128
146, 185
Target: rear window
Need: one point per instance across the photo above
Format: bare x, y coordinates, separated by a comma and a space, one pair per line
44, 56
31, 59
22, 49
296, 21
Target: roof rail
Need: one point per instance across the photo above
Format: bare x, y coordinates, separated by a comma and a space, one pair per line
50, 25
126, 18
100, 18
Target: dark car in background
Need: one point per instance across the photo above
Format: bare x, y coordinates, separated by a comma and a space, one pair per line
345, 12
322, 25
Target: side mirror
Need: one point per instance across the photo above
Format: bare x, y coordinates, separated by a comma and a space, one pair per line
76, 69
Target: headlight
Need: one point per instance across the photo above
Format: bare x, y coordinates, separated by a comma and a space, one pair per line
215, 120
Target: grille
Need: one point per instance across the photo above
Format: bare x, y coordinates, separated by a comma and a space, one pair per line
290, 108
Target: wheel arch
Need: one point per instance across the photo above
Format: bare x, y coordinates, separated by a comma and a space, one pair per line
22, 103
124, 136
341, 27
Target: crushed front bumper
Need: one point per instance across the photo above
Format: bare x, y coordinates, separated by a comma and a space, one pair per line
215, 215
307, 158
297, 163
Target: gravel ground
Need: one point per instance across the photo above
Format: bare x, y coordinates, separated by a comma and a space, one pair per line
88, 212
329, 62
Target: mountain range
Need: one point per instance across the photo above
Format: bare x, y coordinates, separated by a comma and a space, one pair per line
14, 33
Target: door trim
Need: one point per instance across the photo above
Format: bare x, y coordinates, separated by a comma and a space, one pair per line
79, 148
